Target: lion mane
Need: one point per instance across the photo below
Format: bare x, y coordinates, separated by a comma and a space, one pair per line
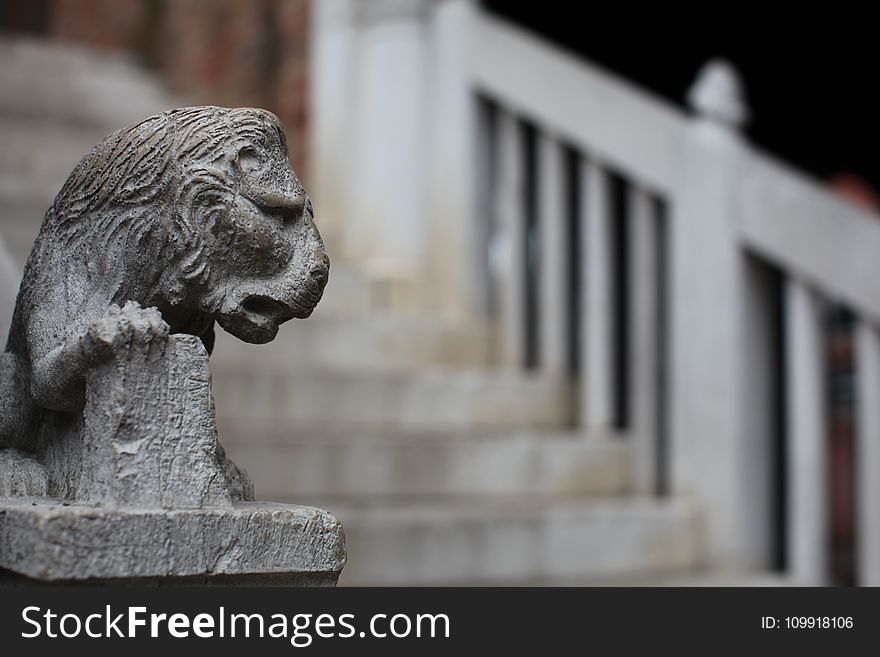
146, 190
194, 213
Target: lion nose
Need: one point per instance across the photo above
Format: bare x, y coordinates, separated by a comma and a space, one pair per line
321, 268
322, 258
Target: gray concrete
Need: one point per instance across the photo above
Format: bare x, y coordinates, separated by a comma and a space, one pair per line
147, 438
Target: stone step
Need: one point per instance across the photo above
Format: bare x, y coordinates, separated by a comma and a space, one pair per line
348, 290
692, 578
70, 84
369, 341
38, 155
19, 225
453, 401
304, 465
517, 540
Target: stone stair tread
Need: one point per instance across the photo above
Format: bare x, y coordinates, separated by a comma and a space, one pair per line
74, 85
506, 540
247, 432
37, 157
668, 578
699, 577
428, 511
456, 400
476, 377
391, 467
368, 340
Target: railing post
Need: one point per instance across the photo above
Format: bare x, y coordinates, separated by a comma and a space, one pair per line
331, 78
510, 240
597, 383
721, 438
553, 273
807, 464
644, 327
458, 232
386, 209
868, 454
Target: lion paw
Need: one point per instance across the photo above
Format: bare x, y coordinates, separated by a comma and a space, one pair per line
123, 329
21, 476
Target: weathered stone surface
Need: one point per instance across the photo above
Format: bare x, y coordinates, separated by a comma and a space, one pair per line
148, 434
191, 217
27, 477
48, 540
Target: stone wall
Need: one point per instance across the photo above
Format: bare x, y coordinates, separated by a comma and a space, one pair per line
221, 52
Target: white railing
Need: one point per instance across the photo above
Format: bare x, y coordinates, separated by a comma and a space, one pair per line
675, 272
695, 369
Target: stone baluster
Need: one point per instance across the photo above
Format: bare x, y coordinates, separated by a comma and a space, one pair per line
553, 327
643, 335
510, 241
807, 466
597, 330
867, 449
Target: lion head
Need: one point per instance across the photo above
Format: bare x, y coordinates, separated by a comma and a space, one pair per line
198, 212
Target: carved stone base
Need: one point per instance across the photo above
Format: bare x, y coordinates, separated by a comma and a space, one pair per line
252, 543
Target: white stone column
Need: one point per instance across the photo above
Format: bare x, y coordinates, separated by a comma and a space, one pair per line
867, 449
644, 325
331, 76
553, 327
385, 215
597, 311
720, 436
807, 467
457, 224
510, 240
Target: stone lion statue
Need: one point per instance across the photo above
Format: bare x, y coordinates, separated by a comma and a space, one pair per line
191, 217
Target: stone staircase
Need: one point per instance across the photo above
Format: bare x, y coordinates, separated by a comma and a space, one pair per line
56, 102
442, 469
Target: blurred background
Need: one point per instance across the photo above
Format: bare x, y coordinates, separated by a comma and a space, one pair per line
602, 307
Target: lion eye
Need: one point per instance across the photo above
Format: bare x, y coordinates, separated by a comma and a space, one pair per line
283, 209
281, 215
248, 159
284, 215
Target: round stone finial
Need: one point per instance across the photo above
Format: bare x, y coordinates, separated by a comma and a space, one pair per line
717, 94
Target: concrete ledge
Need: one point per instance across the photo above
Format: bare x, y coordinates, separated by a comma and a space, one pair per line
250, 543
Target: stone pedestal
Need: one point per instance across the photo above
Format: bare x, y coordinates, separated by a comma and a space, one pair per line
251, 543
140, 491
